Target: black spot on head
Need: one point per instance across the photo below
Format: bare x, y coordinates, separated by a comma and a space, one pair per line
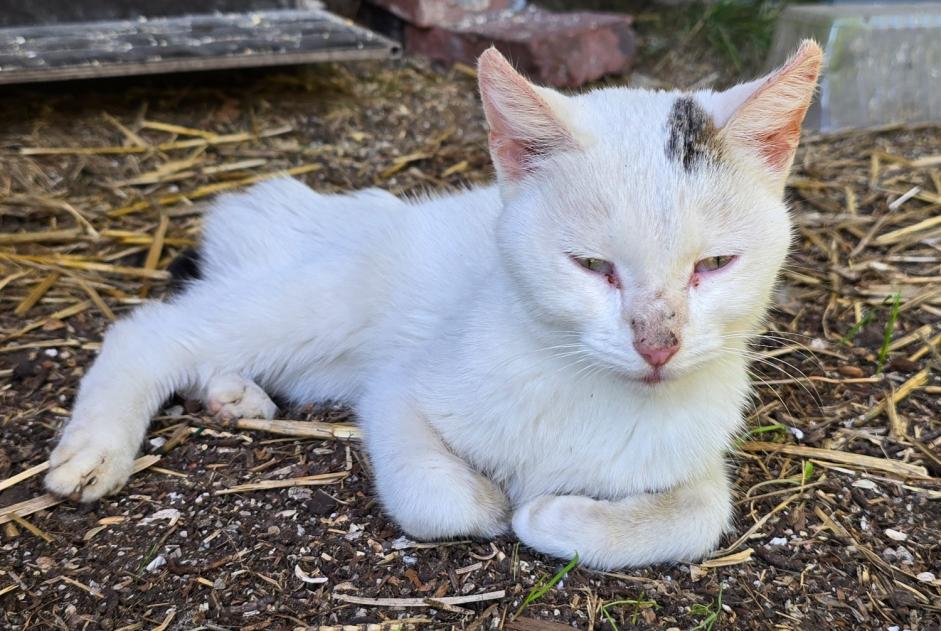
691, 134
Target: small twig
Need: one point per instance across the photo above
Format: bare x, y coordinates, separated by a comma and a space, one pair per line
32, 528
419, 602
310, 480
305, 429
23, 475
917, 380
71, 581
903, 469
180, 569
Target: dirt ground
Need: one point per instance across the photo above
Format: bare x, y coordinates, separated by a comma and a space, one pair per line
838, 485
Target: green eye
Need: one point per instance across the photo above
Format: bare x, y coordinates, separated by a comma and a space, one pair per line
596, 265
713, 263
600, 267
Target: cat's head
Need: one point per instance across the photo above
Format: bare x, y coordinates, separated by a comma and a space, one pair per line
646, 228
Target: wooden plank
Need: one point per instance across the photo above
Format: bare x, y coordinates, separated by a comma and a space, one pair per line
195, 42
29, 12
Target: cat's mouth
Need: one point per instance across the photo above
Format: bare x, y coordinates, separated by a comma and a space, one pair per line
654, 377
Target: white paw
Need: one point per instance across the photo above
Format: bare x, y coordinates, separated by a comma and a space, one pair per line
449, 500
87, 464
559, 525
233, 396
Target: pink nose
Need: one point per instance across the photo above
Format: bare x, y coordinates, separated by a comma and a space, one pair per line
656, 356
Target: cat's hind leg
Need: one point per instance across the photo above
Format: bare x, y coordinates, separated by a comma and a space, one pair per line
430, 492
232, 396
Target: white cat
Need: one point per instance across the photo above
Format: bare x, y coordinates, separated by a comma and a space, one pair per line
563, 353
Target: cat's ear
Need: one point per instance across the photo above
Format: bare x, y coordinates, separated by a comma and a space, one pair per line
527, 122
764, 117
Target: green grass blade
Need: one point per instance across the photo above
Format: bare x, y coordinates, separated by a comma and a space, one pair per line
542, 587
639, 604
889, 330
846, 339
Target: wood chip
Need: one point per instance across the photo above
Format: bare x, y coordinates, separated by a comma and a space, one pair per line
735, 558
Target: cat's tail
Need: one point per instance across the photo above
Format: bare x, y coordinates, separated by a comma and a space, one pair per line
144, 359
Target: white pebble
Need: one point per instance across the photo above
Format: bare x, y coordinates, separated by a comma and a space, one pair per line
778, 541
401, 543
157, 563
895, 535
170, 514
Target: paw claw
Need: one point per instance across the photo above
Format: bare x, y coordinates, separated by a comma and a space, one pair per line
87, 465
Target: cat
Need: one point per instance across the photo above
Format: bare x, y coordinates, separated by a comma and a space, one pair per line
563, 353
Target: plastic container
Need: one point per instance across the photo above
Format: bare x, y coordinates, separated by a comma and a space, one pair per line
883, 62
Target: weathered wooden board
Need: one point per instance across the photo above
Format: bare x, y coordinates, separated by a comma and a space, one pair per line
174, 44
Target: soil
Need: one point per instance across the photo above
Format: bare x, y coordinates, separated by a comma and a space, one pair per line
851, 547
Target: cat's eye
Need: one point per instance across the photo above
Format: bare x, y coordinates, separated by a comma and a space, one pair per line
598, 266
712, 263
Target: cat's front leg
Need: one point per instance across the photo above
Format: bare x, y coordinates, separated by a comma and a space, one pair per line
683, 523
144, 358
430, 492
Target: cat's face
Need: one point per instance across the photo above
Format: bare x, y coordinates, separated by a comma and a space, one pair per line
646, 229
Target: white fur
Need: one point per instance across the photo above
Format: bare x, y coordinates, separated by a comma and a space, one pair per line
494, 377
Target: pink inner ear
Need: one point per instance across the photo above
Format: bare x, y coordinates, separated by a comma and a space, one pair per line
523, 124
770, 119
778, 145
509, 154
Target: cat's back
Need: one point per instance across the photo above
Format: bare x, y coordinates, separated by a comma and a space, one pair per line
283, 222
433, 258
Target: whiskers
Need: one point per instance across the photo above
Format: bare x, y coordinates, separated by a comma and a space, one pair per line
571, 354
765, 360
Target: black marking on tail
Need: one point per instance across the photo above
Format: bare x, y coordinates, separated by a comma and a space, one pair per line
185, 268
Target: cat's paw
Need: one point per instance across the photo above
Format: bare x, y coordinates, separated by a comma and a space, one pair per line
450, 501
559, 525
233, 397
88, 464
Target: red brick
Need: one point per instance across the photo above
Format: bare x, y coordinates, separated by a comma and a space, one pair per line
561, 49
427, 13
